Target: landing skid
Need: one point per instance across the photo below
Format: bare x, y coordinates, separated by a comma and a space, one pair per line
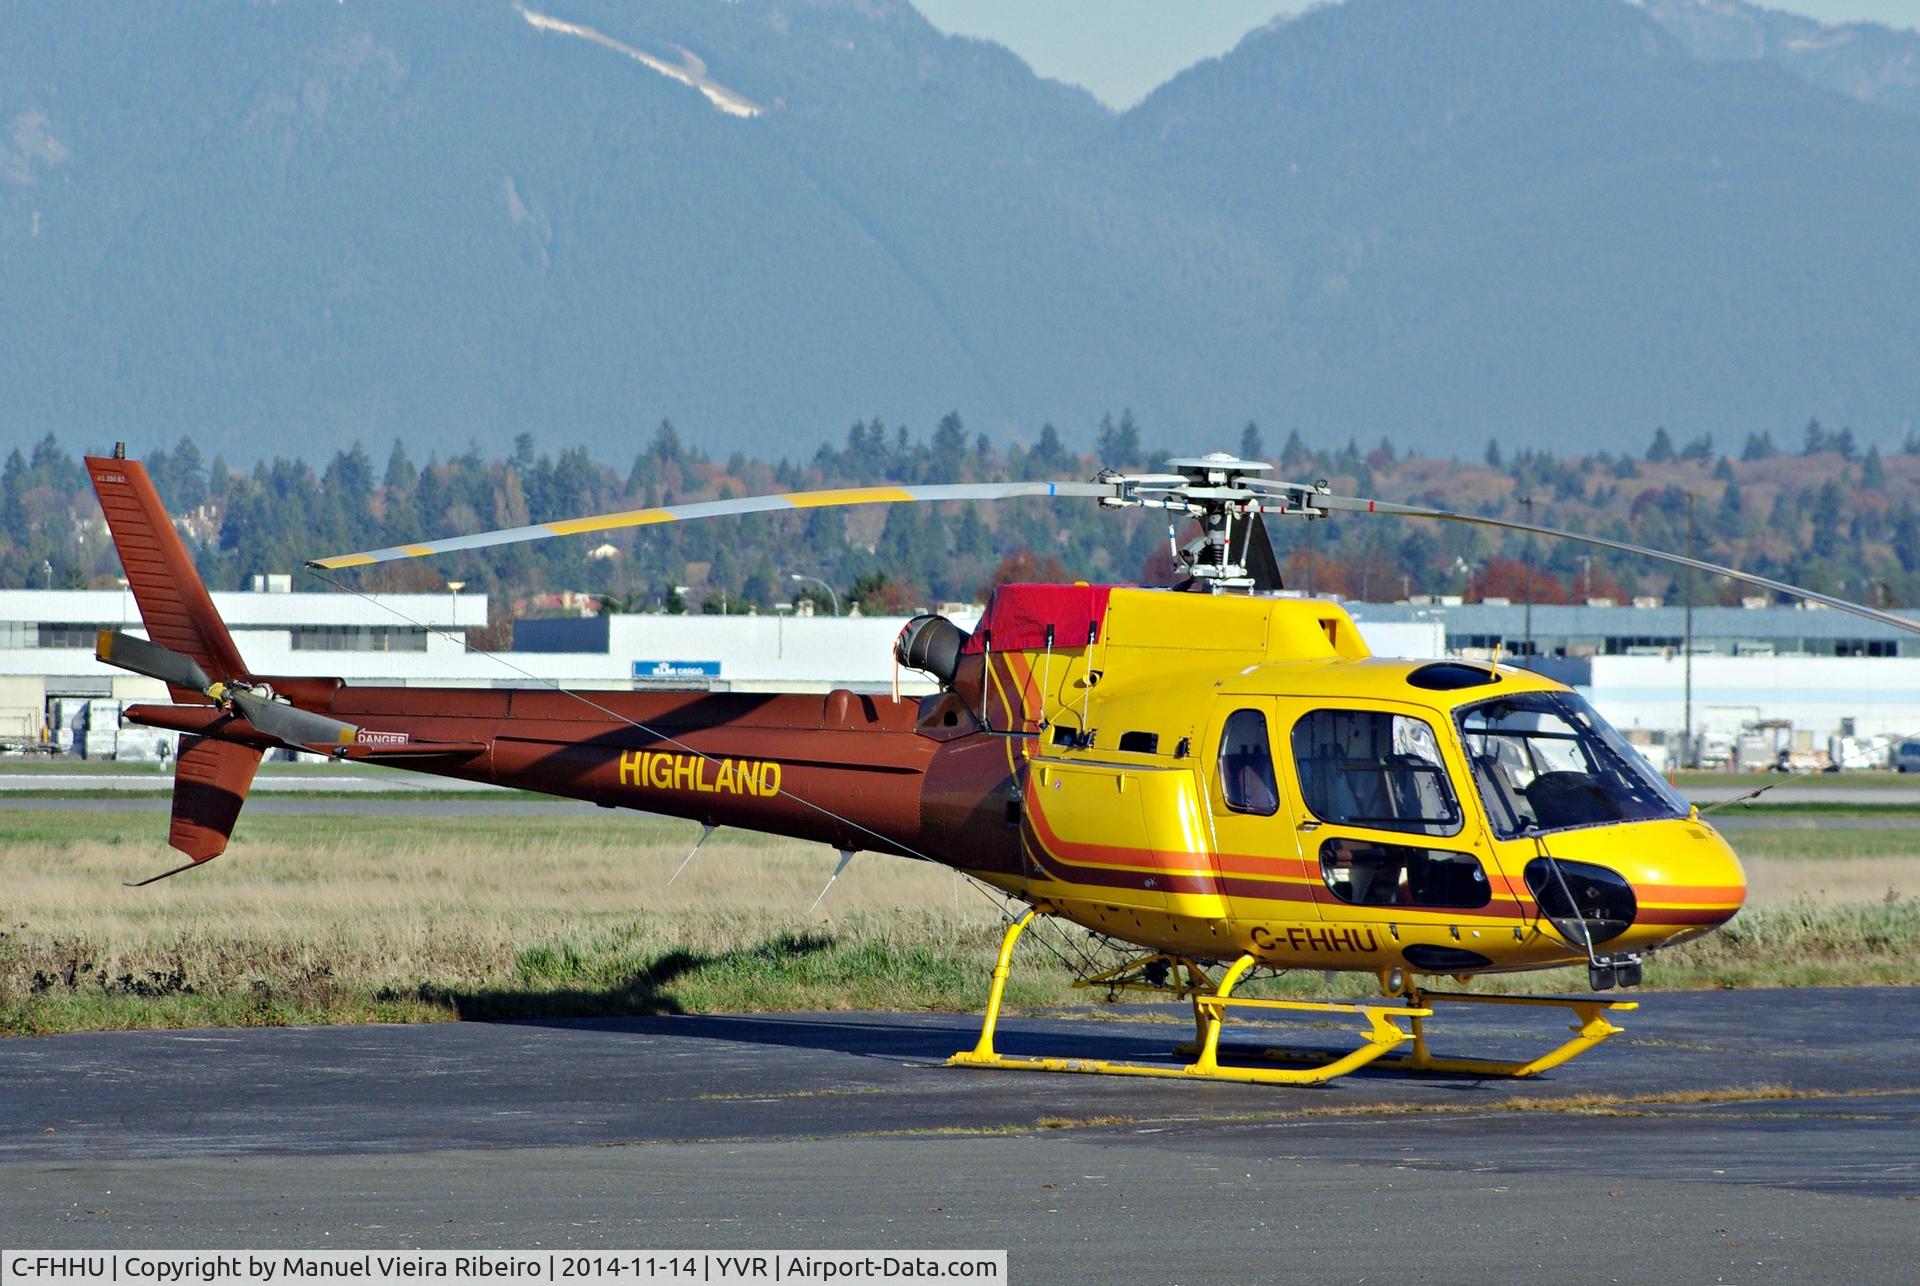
1177, 977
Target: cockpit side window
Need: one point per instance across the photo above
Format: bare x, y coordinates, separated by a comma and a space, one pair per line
1547, 761
1375, 769
1246, 765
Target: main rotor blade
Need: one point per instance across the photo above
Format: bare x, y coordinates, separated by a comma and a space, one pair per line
1355, 504
151, 659
719, 508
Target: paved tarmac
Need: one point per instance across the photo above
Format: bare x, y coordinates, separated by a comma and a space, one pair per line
1739, 1136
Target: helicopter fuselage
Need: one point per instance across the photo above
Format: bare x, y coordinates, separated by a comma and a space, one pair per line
1204, 775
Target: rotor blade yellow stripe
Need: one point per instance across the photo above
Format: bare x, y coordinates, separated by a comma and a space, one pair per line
344, 560
849, 496
608, 522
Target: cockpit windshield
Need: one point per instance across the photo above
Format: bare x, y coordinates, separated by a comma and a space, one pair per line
1546, 761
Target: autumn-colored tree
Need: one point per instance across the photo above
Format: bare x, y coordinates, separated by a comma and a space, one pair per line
1508, 578
1024, 567
1312, 570
881, 595
1160, 569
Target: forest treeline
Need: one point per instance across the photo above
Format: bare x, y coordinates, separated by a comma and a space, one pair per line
1818, 511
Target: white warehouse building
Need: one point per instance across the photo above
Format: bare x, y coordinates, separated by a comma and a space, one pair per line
47, 663
47, 641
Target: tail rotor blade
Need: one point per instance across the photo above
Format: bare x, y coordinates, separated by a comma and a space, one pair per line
291, 724
154, 661
283, 722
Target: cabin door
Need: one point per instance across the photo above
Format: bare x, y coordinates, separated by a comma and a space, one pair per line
1257, 851
1383, 834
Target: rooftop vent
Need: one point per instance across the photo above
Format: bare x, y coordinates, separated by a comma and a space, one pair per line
1450, 676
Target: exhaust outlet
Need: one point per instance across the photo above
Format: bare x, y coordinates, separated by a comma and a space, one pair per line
931, 644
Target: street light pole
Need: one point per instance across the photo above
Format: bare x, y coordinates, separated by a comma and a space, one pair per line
1528, 502
1686, 746
796, 576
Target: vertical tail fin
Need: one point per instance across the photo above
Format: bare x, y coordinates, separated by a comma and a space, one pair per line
211, 777
210, 782
174, 604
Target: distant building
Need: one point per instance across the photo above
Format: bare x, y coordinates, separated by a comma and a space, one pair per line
47, 639
1826, 672
1641, 630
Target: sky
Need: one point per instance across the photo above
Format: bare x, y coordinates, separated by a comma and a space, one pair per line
1122, 49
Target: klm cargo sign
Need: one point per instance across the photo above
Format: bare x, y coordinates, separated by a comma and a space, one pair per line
676, 669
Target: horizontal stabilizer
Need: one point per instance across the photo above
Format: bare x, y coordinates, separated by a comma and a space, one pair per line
412, 750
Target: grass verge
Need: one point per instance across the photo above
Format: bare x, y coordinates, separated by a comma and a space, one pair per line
402, 919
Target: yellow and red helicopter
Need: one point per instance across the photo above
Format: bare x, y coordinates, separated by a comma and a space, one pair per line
1222, 778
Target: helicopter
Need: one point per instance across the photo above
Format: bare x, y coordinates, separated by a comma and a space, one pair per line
1219, 778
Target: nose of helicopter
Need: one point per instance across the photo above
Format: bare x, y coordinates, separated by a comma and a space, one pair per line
1681, 879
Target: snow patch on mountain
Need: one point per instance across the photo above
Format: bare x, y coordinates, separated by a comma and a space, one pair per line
690, 71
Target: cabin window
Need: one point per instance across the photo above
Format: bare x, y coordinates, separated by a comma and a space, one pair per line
1374, 769
1366, 873
1246, 765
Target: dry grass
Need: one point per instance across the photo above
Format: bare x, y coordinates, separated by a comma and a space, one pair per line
1831, 865
371, 918
317, 919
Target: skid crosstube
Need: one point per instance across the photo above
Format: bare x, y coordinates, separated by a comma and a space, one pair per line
1384, 1034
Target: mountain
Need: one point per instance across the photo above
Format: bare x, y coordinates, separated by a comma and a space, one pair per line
1546, 219
1863, 60
279, 227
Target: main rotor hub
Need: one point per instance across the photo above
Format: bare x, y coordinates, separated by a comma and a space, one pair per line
1225, 495
1216, 468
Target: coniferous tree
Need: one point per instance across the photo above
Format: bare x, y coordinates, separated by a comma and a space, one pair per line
1294, 455
949, 449
401, 475
1873, 471
1906, 538
1815, 440
1252, 446
1119, 444
1049, 455
13, 514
